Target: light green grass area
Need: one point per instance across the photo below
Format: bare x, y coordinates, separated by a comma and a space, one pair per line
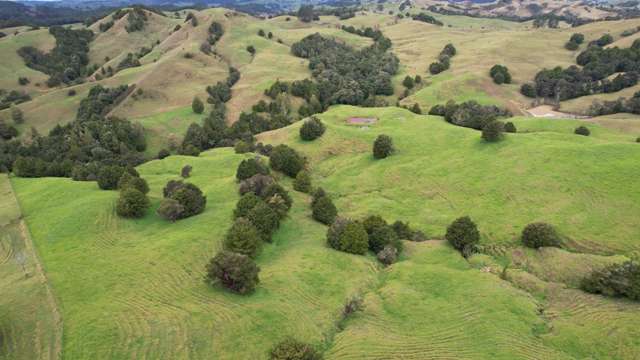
167, 127
598, 127
134, 288
12, 66
583, 185
27, 328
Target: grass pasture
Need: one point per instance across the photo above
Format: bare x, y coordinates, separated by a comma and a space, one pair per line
583, 185
28, 326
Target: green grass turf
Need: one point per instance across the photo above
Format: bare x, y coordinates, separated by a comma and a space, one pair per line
27, 327
583, 185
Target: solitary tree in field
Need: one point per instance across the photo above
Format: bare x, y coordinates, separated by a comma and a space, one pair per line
463, 234
132, 203
382, 147
197, 106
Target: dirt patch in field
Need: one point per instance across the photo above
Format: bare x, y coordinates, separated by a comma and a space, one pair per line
361, 120
547, 111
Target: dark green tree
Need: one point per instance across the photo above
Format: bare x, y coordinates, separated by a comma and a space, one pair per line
463, 234
197, 105
493, 131
292, 349
312, 129
285, 159
132, 203
242, 238
236, 272
265, 219
250, 167
170, 209
382, 147
582, 130
324, 211
302, 182
539, 234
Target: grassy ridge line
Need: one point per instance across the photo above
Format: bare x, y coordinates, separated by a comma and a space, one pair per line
47, 339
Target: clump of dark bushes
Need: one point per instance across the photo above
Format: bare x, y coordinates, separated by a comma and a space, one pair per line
382, 147
312, 129
181, 200
469, 114
236, 272
536, 235
287, 160
617, 280
463, 235
292, 349
500, 74
493, 131
444, 60
582, 130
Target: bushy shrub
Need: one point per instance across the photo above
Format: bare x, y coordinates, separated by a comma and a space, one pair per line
615, 280
493, 131
236, 272
500, 74
312, 129
197, 105
354, 238
108, 177
302, 182
256, 184
128, 180
291, 349
265, 219
277, 190
528, 90
132, 203
373, 222
537, 235
324, 211
242, 238
510, 127
242, 147
582, 130
163, 153
247, 202
188, 195
250, 167
403, 230
383, 236
571, 46
287, 160
382, 147
170, 209
463, 234
388, 255
416, 109
185, 172
334, 232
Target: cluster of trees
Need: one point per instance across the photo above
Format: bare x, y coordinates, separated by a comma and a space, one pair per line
424, 17
67, 62
292, 349
550, 20
215, 33
344, 75
129, 61
574, 42
629, 32
258, 214
214, 132
444, 60
372, 233
469, 114
13, 97
106, 25
409, 83
631, 105
136, 20
306, 13
598, 64
181, 200
133, 201
83, 147
500, 74
191, 17
616, 280
602, 41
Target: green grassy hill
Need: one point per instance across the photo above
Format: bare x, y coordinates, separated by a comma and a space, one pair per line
584, 185
147, 274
